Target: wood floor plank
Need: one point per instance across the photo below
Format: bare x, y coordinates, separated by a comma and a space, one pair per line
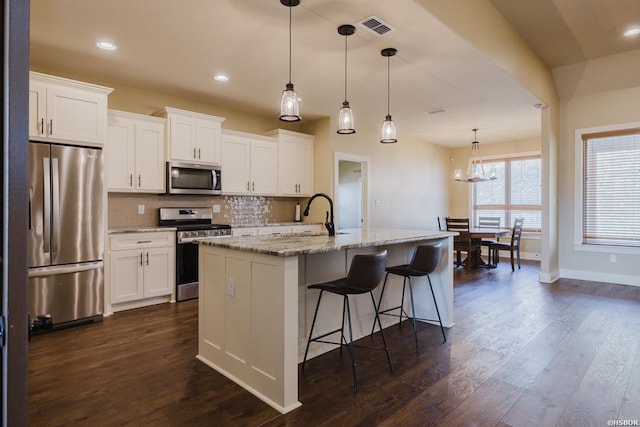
521, 353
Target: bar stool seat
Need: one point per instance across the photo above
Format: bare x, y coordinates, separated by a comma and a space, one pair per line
424, 262
365, 274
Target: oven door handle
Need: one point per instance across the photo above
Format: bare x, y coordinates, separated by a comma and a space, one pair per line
193, 240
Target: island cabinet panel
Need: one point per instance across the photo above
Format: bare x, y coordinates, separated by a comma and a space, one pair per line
248, 326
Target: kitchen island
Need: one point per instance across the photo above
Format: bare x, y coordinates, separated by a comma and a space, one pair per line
255, 309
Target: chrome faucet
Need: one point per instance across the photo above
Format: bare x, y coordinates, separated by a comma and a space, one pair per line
330, 226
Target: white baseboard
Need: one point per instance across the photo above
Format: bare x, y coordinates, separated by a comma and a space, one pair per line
594, 276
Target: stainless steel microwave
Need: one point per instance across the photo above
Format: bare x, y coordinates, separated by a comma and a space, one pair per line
193, 178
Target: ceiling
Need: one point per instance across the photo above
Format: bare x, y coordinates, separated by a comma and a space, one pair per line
176, 47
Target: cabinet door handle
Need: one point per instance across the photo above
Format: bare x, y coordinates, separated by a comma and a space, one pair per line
130, 180
139, 180
141, 259
194, 153
248, 186
147, 258
143, 241
199, 154
42, 126
253, 184
50, 126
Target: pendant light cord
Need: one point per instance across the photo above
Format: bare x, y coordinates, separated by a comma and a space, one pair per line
345, 67
388, 84
289, 44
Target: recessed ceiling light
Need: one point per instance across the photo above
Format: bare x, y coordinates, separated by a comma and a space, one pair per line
106, 45
633, 31
221, 77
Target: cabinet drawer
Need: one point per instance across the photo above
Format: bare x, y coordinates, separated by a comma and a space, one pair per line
274, 229
126, 241
309, 228
244, 231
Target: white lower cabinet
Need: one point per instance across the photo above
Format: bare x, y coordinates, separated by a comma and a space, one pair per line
141, 269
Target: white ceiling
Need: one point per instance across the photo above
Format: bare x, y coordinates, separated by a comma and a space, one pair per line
175, 47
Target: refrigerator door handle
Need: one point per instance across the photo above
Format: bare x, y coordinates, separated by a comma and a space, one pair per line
30, 197
55, 200
46, 176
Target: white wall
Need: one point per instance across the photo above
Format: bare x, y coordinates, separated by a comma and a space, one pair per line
407, 182
593, 97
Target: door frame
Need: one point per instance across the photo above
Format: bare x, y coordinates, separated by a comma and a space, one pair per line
15, 138
364, 165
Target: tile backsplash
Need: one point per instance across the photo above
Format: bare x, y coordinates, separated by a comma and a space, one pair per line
234, 210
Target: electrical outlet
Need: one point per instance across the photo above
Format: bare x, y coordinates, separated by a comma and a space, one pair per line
141, 209
612, 258
265, 209
231, 287
215, 208
377, 203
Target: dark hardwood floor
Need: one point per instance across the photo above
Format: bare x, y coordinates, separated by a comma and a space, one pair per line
522, 353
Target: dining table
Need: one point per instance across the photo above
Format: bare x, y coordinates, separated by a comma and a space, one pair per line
479, 233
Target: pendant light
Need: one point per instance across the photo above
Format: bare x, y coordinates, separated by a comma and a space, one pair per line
345, 118
388, 126
475, 168
289, 109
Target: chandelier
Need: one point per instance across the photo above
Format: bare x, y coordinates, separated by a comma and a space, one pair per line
475, 168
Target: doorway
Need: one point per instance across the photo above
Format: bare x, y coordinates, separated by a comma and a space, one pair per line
351, 177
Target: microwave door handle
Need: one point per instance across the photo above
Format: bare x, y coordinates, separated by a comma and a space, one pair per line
215, 179
46, 217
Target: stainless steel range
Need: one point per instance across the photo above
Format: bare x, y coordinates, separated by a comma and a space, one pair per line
191, 224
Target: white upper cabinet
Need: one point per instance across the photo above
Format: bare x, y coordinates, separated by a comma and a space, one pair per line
65, 110
134, 153
295, 163
192, 137
248, 164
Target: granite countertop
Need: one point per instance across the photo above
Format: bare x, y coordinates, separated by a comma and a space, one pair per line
139, 230
289, 245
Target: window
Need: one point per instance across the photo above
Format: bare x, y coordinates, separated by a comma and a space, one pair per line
515, 193
611, 188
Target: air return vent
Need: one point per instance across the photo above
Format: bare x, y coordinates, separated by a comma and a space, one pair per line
377, 26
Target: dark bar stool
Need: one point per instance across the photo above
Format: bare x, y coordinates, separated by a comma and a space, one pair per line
364, 276
424, 262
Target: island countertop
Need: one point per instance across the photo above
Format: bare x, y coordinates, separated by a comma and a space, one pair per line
290, 245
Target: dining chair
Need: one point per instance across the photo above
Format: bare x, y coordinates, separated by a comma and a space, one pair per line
463, 242
512, 247
488, 222
365, 274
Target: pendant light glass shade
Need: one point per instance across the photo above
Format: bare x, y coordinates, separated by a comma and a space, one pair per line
345, 117
388, 133
475, 167
289, 104
289, 108
345, 120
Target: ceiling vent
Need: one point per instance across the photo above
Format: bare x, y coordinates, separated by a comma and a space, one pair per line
377, 26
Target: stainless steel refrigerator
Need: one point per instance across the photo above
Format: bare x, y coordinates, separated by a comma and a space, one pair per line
66, 234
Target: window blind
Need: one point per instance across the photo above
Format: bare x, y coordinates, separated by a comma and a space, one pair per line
515, 193
611, 188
